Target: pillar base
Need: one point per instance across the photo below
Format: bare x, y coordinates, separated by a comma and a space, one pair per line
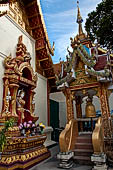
99, 162
100, 167
66, 159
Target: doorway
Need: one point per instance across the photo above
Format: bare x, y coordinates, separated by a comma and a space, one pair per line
54, 119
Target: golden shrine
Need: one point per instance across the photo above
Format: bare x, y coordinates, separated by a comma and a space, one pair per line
87, 73
20, 152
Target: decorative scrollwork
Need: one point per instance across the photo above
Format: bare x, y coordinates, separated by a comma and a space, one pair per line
68, 136
98, 137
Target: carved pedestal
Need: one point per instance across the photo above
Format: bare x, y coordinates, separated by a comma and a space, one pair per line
99, 162
23, 152
66, 159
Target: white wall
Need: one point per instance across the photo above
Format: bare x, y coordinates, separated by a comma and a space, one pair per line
74, 109
111, 102
58, 96
62, 114
41, 99
9, 33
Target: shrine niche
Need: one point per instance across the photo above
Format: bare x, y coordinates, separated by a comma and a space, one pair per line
19, 84
22, 149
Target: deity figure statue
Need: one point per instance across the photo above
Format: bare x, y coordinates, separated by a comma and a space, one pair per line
8, 98
20, 106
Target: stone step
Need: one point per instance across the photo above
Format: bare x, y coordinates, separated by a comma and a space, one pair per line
84, 160
83, 149
84, 139
83, 152
84, 146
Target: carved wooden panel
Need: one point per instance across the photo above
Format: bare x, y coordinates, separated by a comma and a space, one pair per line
46, 64
31, 10
40, 43
41, 54
35, 21
18, 13
69, 103
105, 110
49, 73
37, 33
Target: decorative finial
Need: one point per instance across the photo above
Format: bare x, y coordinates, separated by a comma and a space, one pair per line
77, 3
79, 19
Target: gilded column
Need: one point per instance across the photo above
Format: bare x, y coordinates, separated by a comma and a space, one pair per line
103, 94
69, 103
5, 94
13, 90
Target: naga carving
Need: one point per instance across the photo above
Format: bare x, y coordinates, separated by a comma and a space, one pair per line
98, 137
10, 64
68, 136
13, 64
69, 102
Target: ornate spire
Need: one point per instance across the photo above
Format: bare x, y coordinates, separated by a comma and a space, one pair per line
79, 19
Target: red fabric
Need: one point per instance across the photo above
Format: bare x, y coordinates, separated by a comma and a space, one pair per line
27, 116
101, 63
19, 117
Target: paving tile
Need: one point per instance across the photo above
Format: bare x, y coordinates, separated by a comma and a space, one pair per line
52, 163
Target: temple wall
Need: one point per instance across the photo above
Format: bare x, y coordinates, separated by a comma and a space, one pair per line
9, 33
111, 103
62, 113
41, 99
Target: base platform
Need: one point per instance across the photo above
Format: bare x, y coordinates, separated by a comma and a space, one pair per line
24, 153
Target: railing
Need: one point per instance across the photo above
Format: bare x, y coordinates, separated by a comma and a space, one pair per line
68, 136
86, 124
98, 137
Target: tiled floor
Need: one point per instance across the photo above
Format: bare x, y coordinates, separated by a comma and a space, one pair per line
52, 163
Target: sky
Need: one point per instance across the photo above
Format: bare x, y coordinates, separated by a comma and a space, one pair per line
60, 20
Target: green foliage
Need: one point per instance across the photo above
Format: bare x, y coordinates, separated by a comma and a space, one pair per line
8, 123
99, 24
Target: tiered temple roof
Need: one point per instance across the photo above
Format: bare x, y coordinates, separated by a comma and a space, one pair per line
97, 61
